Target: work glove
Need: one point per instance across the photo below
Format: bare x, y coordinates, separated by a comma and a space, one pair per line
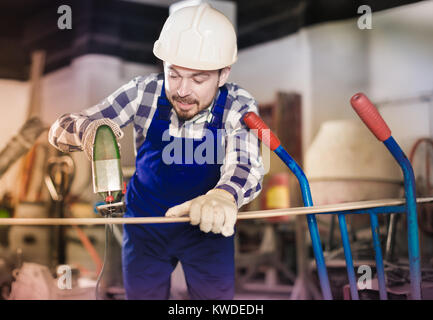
90, 132
215, 211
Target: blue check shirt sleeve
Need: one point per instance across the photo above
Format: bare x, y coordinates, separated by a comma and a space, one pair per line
66, 133
242, 170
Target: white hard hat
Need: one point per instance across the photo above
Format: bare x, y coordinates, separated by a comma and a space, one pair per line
197, 37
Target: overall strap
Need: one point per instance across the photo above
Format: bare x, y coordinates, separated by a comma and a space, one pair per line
164, 106
218, 109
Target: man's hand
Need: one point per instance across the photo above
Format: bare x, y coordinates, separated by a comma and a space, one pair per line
215, 211
89, 134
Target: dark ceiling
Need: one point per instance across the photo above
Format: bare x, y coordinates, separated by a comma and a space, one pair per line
128, 29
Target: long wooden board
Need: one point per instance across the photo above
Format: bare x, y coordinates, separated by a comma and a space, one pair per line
262, 214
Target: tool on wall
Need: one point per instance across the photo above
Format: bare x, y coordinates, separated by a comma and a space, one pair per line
58, 179
20, 144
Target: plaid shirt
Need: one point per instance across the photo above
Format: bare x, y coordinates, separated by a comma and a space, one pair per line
242, 170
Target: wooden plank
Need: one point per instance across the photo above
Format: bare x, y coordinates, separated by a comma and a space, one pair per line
262, 214
36, 73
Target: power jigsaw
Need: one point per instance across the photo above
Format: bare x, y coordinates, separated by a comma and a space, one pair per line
107, 173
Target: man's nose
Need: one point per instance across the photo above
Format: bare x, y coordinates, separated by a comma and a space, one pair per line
184, 88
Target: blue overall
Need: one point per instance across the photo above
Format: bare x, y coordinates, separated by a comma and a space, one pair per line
151, 251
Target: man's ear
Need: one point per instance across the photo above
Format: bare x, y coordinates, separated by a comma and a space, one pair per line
224, 76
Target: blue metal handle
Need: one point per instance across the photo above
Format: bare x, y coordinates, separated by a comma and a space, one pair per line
348, 256
412, 223
380, 270
311, 220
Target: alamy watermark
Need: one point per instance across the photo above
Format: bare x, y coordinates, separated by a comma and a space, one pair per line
64, 277
364, 280
366, 20
65, 20
216, 149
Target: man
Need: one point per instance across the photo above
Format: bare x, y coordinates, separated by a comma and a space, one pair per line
219, 169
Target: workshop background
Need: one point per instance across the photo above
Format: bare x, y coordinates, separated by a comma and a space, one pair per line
302, 60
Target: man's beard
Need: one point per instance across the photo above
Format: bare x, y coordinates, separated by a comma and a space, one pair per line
184, 115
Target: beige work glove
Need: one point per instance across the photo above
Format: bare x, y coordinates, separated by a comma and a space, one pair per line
89, 134
215, 211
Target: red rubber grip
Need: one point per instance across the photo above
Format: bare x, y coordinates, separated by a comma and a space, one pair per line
253, 121
370, 116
